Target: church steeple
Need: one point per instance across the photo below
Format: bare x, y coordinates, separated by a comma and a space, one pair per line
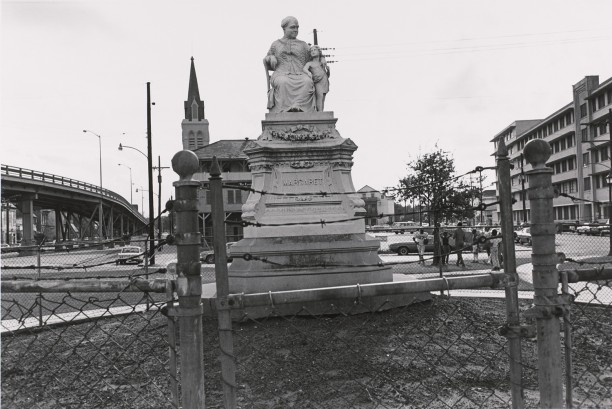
193, 97
195, 125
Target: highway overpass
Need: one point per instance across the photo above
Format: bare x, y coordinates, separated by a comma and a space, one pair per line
74, 206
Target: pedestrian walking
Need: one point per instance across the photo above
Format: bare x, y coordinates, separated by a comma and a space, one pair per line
446, 249
459, 236
495, 241
421, 239
475, 248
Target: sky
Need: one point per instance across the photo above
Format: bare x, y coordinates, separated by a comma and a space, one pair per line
408, 77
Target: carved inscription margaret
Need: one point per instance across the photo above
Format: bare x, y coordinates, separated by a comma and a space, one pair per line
297, 181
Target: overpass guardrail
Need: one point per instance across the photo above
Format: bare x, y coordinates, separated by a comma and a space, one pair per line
44, 177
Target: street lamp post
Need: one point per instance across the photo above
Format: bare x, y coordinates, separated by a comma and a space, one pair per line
121, 164
100, 212
141, 200
151, 211
159, 168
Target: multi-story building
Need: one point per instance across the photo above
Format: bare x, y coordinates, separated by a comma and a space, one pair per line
579, 134
376, 204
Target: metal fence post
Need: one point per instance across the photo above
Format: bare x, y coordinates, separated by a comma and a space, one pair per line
548, 305
189, 281
226, 342
512, 328
38, 264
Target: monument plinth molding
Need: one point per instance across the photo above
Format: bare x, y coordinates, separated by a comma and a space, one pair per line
303, 217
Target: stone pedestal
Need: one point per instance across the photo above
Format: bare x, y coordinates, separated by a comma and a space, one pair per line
309, 231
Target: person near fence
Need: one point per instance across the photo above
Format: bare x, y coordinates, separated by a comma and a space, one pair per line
421, 240
486, 245
495, 242
446, 249
475, 248
459, 236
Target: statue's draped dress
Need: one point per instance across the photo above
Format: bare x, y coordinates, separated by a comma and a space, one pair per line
292, 88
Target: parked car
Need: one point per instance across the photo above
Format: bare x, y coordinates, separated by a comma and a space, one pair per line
378, 227
208, 255
523, 236
589, 229
408, 246
129, 254
404, 227
403, 248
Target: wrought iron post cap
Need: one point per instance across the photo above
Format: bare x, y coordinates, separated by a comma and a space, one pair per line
185, 163
537, 152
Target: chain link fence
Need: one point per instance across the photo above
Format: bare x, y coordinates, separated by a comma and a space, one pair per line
90, 350
92, 332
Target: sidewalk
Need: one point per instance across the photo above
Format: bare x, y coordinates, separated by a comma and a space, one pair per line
524, 272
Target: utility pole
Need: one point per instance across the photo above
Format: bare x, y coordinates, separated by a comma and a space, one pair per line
159, 168
480, 180
523, 189
150, 170
316, 42
609, 184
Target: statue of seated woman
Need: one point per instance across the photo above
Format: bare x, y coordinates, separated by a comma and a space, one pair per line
290, 88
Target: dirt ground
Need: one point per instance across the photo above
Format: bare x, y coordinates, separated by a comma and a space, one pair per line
438, 354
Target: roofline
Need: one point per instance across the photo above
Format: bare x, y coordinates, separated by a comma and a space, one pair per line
569, 106
600, 88
512, 125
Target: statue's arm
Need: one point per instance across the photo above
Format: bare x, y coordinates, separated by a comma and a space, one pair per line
270, 60
325, 66
306, 69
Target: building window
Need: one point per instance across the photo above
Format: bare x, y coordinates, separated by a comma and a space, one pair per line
602, 128
234, 197
194, 111
601, 101
587, 184
583, 110
585, 159
604, 154
598, 184
585, 134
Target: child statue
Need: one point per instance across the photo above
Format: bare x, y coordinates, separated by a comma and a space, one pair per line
318, 70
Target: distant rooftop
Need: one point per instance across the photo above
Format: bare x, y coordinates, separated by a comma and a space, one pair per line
224, 149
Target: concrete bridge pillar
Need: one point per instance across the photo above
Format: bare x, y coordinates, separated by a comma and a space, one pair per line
58, 225
27, 214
